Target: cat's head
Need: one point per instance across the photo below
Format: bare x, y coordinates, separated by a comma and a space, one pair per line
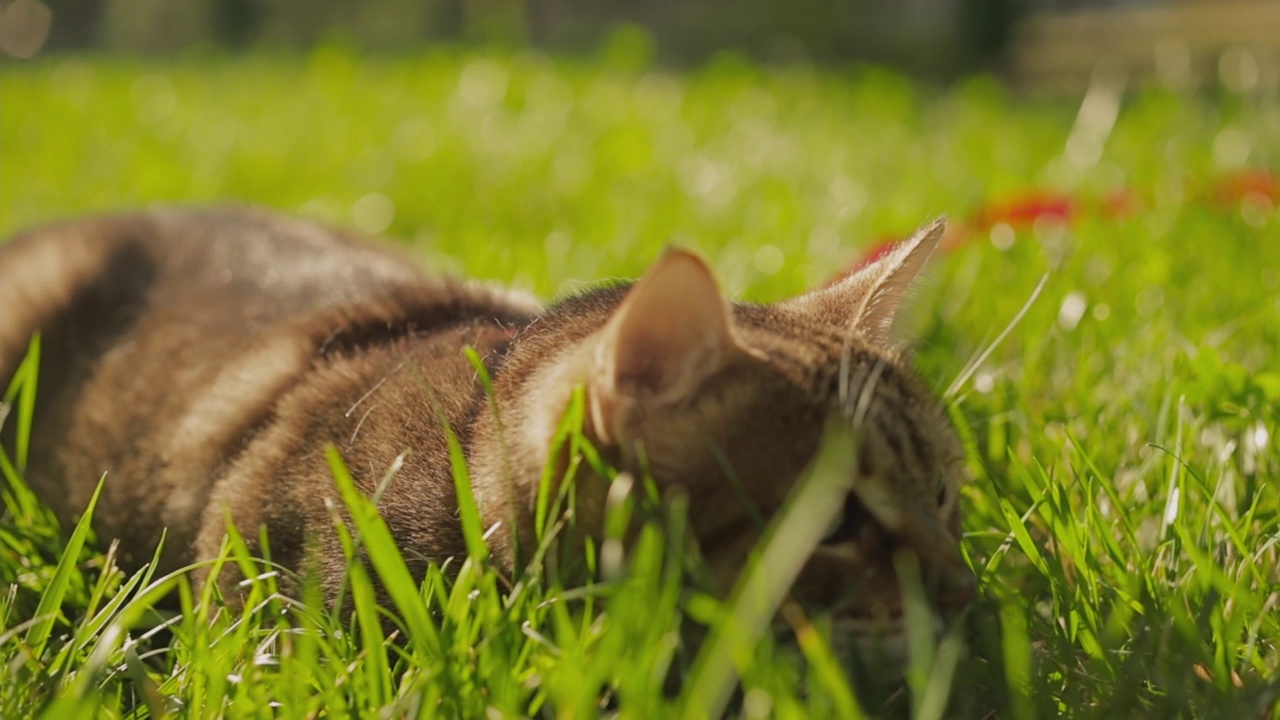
731, 401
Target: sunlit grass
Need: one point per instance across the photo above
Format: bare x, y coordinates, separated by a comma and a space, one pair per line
1124, 519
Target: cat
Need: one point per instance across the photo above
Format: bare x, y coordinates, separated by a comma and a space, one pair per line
204, 359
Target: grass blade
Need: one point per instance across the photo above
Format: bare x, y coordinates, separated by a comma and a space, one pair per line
22, 391
51, 600
387, 561
767, 578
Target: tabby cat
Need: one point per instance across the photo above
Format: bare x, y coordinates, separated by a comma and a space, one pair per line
205, 359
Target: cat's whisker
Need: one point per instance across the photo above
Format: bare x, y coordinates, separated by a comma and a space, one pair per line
360, 422
860, 409
846, 361
374, 389
972, 366
492, 529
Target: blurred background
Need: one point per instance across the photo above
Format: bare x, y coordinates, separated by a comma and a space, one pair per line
1044, 44
770, 134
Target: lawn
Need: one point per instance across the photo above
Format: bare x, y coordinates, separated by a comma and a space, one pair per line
1124, 516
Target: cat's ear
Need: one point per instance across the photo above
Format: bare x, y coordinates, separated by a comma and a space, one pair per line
868, 299
669, 333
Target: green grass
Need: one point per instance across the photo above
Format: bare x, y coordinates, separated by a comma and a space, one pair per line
1125, 513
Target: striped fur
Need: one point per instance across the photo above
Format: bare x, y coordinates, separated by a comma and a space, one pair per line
204, 359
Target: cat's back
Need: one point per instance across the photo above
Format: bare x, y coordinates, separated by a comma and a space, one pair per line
230, 267
167, 335
247, 254
206, 276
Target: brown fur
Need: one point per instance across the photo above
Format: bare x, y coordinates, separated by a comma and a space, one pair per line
205, 359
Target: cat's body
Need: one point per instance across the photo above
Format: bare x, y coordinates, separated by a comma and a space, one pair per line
204, 360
